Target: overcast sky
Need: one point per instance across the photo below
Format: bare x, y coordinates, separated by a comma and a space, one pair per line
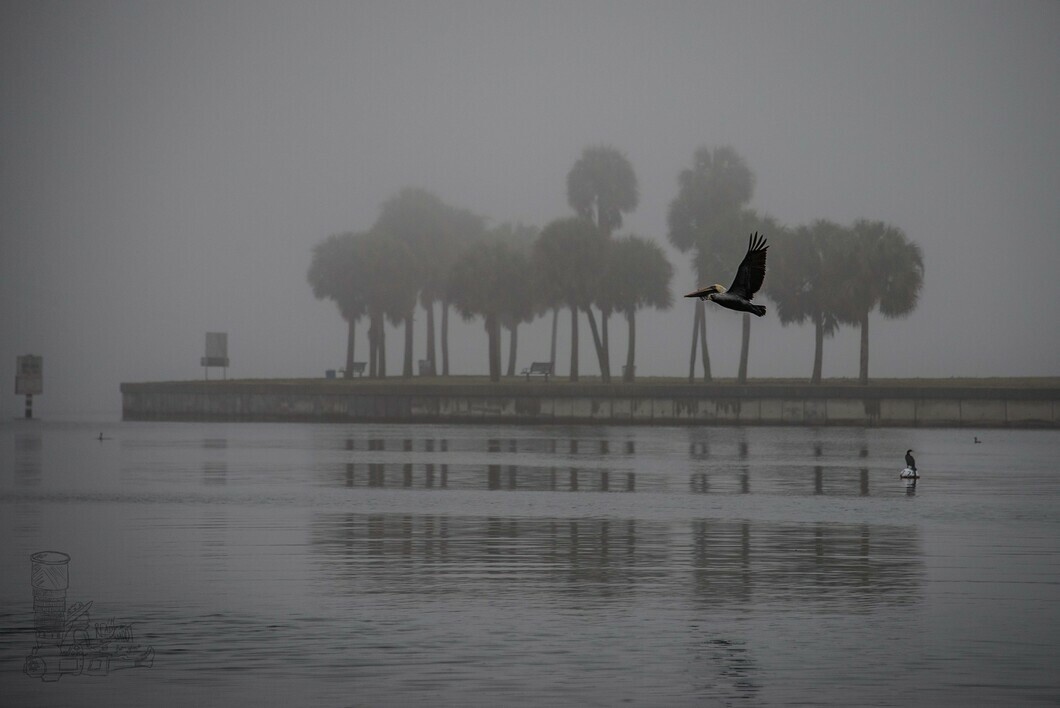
166, 167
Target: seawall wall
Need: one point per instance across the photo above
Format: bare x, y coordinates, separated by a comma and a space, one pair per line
601, 404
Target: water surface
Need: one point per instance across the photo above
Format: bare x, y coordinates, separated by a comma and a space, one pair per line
300, 564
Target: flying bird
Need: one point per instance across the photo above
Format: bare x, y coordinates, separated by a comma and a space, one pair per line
909, 461
749, 277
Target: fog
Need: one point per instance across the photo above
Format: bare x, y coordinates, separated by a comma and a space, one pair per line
166, 168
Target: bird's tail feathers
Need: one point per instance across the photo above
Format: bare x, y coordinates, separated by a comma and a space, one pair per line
759, 310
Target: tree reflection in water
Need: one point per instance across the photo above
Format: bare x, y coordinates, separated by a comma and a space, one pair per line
848, 566
719, 461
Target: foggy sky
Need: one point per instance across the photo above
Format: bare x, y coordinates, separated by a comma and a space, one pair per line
165, 168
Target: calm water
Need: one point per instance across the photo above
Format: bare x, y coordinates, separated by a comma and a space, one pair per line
333, 565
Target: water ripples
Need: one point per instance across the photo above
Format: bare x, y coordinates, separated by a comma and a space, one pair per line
366, 565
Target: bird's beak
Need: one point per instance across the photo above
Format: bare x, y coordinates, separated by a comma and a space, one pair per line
703, 292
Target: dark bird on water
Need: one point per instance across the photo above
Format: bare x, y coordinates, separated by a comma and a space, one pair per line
749, 277
909, 461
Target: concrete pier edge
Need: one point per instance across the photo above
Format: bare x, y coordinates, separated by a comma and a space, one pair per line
558, 402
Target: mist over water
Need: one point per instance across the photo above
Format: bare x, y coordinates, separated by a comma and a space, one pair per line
167, 168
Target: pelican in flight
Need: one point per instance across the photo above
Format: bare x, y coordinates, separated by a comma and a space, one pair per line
749, 277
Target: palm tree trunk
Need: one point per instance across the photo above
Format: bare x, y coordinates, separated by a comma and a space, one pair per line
555, 321
494, 339
513, 341
445, 337
382, 347
496, 351
631, 347
863, 375
818, 351
377, 346
406, 370
695, 341
604, 317
598, 344
703, 341
573, 342
350, 326
745, 345
373, 346
430, 336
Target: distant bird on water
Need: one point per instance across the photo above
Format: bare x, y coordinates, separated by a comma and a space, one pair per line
749, 277
909, 461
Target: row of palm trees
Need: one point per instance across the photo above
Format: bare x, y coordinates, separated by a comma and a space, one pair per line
423, 252
836, 275
824, 273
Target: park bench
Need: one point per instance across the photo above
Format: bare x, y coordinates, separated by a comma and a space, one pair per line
357, 369
538, 368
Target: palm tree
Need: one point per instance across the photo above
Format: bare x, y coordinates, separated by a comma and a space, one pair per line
434, 233
480, 282
412, 217
461, 228
602, 296
887, 272
548, 303
606, 296
521, 301
519, 305
703, 217
638, 275
601, 187
389, 287
334, 275
807, 281
567, 260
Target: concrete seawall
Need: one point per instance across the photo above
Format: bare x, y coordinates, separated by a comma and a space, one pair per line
601, 404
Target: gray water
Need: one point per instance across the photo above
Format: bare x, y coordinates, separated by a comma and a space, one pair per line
329, 565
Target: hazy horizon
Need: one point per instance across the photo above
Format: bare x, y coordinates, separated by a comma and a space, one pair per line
166, 169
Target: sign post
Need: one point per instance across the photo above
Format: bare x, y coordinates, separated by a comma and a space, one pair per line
29, 379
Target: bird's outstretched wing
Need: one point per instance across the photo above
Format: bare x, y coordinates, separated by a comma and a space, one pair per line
752, 269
